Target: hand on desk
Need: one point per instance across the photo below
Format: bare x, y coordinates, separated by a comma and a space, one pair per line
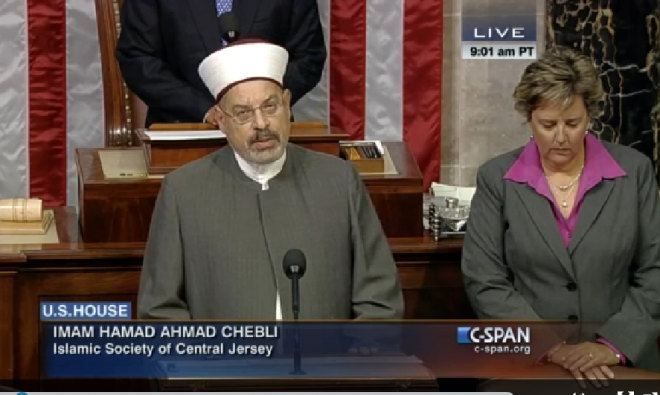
586, 360
553, 379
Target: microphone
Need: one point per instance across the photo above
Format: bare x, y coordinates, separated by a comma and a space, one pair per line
295, 265
228, 26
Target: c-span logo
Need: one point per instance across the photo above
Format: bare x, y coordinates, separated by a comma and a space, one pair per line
493, 334
464, 335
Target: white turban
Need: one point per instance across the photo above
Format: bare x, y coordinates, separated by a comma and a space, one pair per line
243, 61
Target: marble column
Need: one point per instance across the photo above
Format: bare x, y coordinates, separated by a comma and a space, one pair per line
622, 39
478, 118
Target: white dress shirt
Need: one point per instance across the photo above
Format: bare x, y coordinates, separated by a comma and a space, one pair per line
262, 174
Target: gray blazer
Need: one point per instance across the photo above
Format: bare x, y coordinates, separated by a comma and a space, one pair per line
515, 265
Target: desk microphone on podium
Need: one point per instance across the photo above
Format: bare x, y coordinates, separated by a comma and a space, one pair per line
295, 265
228, 26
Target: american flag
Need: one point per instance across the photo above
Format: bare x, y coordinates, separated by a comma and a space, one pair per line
382, 81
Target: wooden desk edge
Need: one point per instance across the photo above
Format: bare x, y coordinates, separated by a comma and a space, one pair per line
82, 251
407, 169
554, 372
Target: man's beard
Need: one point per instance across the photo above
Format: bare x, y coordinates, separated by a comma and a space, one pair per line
268, 155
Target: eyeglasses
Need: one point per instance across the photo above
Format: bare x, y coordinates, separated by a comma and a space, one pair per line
244, 116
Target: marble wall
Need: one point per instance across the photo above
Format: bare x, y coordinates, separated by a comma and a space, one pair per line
622, 39
478, 118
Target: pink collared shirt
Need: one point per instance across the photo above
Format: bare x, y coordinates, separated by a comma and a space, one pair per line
598, 165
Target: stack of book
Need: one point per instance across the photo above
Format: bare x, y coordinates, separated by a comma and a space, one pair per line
367, 156
24, 217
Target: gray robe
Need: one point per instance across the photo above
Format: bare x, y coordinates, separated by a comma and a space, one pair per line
217, 241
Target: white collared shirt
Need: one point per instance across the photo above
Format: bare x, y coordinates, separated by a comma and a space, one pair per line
262, 174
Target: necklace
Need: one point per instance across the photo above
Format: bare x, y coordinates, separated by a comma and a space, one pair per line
568, 188
564, 202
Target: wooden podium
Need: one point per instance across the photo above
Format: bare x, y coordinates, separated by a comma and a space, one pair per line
76, 270
119, 210
368, 373
163, 156
285, 385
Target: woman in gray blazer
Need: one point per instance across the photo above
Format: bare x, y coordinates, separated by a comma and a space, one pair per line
568, 227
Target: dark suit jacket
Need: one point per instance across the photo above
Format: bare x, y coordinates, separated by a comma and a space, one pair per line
162, 43
516, 266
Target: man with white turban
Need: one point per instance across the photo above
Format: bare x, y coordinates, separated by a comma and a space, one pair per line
222, 224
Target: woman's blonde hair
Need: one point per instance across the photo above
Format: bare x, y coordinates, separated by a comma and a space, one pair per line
559, 76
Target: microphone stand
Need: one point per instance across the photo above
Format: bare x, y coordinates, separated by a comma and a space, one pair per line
297, 369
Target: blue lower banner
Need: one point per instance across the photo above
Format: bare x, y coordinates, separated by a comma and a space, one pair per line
352, 349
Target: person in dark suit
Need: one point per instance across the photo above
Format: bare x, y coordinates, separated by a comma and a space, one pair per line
568, 227
163, 42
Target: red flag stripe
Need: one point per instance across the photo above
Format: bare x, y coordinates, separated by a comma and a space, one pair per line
422, 84
347, 80
47, 137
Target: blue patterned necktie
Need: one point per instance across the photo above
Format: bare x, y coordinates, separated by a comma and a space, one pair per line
223, 6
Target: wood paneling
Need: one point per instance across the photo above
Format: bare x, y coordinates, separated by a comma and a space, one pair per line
284, 385
431, 278
122, 207
125, 207
165, 156
7, 325
107, 280
79, 271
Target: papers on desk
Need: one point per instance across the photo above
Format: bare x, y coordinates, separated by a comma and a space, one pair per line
183, 135
464, 194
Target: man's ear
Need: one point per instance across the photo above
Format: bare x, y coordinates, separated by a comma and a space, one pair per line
221, 117
286, 98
